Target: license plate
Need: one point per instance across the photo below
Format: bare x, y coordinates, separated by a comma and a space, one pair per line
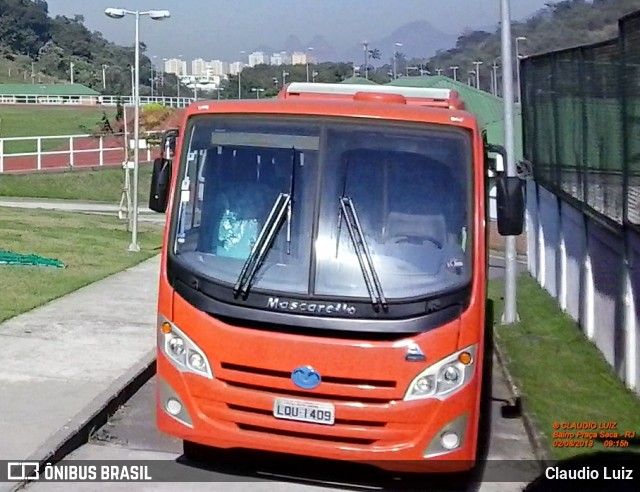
304, 411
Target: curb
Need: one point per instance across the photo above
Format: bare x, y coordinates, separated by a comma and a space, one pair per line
537, 443
81, 427
499, 254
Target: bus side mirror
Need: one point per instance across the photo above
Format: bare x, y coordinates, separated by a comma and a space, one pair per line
160, 181
510, 205
509, 193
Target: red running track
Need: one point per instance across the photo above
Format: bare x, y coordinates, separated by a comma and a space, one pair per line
113, 154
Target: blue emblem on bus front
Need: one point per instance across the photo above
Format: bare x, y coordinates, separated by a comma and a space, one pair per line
306, 377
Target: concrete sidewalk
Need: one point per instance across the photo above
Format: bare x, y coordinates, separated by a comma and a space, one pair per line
64, 205
64, 361
145, 215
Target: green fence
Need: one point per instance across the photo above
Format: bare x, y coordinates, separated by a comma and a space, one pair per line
581, 122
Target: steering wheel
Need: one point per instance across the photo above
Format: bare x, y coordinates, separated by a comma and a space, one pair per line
407, 238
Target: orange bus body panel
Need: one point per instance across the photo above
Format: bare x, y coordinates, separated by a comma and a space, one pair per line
373, 424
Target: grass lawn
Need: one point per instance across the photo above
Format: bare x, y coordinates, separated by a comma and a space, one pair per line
104, 185
25, 121
91, 246
562, 376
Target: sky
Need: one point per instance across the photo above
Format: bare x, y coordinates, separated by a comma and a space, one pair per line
215, 29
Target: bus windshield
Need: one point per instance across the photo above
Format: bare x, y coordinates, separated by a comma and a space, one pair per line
329, 208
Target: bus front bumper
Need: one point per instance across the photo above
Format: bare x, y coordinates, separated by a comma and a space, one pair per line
421, 436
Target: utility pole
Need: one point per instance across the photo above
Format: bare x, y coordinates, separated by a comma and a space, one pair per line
395, 60
365, 45
518, 58
104, 77
510, 314
477, 65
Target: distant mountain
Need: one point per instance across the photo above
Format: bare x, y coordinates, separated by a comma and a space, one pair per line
293, 43
419, 40
267, 50
323, 51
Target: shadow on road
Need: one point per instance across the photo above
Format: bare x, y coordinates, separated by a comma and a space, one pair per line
253, 465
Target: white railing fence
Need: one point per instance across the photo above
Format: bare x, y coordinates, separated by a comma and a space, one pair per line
23, 154
175, 102
593, 271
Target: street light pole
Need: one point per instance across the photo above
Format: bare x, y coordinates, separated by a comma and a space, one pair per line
71, 69
455, 72
307, 60
134, 246
518, 57
477, 65
104, 77
155, 15
365, 45
510, 314
240, 80
395, 60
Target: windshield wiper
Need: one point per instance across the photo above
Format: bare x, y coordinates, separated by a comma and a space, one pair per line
282, 207
263, 244
348, 211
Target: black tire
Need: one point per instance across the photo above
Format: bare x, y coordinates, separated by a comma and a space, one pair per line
193, 451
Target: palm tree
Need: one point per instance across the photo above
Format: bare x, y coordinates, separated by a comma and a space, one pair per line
374, 54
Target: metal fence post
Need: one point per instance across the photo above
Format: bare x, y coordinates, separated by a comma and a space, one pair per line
101, 150
1, 155
71, 152
39, 152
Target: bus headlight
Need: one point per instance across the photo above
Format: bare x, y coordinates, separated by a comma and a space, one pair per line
445, 377
176, 347
183, 353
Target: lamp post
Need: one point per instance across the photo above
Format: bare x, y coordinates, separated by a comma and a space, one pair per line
307, 60
314, 74
284, 77
218, 90
455, 72
71, 70
365, 46
240, 80
494, 68
179, 75
395, 60
510, 314
117, 13
257, 91
104, 76
518, 58
477, 65
154, 74
164, 66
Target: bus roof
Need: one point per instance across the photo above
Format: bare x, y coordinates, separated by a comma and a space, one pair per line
434, 97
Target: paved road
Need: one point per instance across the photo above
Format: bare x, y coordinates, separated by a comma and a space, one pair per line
131, 435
